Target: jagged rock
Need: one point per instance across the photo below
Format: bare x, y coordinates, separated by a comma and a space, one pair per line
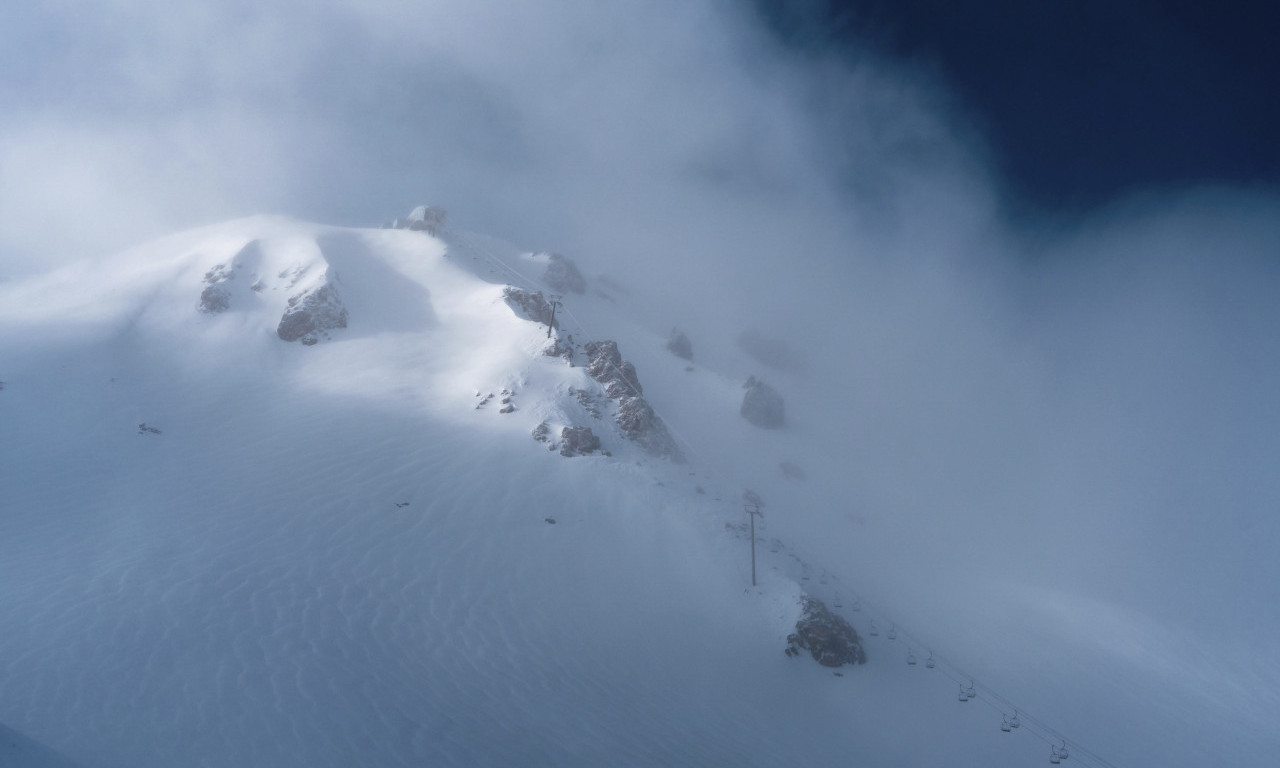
635, 417
826, 636
215, 299
607, 367
640, 424
762, 405
679, 345
578, 441
531, 305
311, 312
218, 273
563, 275
542, 433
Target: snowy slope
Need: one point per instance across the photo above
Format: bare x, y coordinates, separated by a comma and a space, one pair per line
221, 548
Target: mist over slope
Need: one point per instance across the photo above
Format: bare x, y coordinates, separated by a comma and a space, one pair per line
223, 547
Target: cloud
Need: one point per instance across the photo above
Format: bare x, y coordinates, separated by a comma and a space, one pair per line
1085, 406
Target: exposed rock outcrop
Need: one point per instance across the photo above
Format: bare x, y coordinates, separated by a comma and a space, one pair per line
635, 418
531, 305
762, 405
311, 313
826, 636
679, 345
607, 367
562, 275
215, 298
560, 347
640, 424
578, 441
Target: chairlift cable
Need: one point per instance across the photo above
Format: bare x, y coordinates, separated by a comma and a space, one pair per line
1033, 724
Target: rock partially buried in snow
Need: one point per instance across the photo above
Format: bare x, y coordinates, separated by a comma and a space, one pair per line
215, 298
531, 305
312, 312
762, 405
578, 441
640, 424
826, 636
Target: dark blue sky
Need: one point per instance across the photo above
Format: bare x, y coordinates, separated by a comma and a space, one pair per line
1079, 102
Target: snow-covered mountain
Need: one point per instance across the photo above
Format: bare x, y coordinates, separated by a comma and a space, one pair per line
282, 494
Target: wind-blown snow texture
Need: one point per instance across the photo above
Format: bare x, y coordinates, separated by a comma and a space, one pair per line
222, 549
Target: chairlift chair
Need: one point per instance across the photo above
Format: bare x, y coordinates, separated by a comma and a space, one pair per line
963, 697
857, 605
1014, 722
874, 632
911, 658
1004, 725
929, 663
1054, 757
1062, 751
893, 632
970, 692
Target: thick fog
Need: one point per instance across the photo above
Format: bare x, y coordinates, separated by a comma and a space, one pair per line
1058, 440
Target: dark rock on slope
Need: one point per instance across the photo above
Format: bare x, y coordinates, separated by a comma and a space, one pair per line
826, 636
531, 305
312, 312
679, 345
635, 416
762, 405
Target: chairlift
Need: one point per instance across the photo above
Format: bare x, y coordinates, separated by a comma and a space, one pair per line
1014, 722
963, 697
1004, 725
970, 692
893, 632
929, 663
911, 658
874, 632
1062, 751
1053, 755
857, 605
